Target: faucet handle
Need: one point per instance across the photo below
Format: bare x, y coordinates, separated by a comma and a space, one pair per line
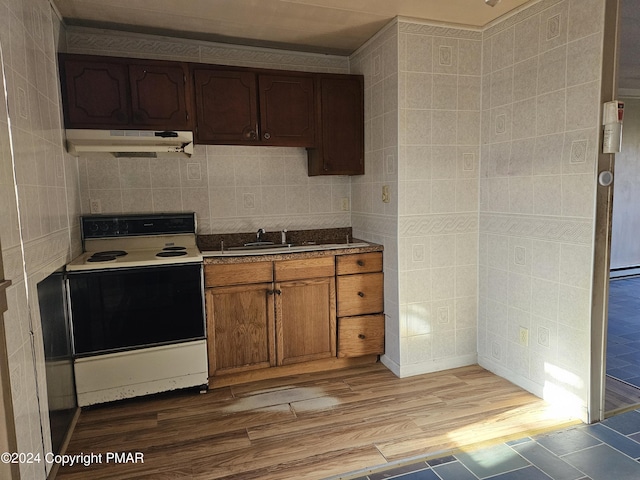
260, 233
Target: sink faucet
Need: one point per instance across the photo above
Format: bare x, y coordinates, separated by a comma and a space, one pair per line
259, 234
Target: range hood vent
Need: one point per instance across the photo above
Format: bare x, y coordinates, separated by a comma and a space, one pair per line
130, 143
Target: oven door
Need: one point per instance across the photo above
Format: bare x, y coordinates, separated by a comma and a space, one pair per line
129, 308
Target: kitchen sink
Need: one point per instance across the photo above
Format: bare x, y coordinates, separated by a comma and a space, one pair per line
264, 249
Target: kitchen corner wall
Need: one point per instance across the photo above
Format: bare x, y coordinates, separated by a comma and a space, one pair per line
540, 129
488, 141
39, 205
422, 116
372, 219
231, 188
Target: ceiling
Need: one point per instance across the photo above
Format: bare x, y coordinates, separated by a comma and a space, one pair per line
322, 26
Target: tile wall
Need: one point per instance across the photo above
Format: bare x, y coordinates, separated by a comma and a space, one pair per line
371, 218
439, 124
231, 188
540, 112
40, 181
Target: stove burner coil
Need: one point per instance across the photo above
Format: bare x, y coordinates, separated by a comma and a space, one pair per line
171, 253
175, 248
110, 253
106, 256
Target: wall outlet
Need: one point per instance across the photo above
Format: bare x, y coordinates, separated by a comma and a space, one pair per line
344, 204
95, 205
386, 196
524, 337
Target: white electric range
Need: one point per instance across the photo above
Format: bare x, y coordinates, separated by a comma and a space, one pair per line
137, 307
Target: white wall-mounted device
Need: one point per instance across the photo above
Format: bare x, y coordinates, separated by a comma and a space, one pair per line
612, 115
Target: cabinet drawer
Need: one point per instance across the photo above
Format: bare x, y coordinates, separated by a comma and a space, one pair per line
360, 294
304, 268
359, 336
359, 263
218, 275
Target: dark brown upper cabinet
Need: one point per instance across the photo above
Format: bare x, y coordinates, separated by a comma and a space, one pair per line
124, 93
287, 110
340, 126
249, 107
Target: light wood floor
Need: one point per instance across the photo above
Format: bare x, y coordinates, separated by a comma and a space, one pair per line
619, 396
307, 427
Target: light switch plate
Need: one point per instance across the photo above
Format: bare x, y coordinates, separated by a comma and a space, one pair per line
386, 196
95, 205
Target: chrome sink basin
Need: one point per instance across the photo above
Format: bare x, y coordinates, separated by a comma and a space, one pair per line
260, 245
265, 249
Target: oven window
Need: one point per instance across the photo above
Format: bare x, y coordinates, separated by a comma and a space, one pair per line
126, 308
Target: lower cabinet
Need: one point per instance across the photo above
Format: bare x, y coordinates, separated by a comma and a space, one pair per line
289, 313
241, 327
290, 318
305, 320
360, 304
362, 335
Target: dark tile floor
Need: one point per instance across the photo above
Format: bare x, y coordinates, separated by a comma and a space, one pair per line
609, 450
623, 336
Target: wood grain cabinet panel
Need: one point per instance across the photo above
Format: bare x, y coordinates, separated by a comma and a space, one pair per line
226, 106
361, 335
217, 275
360, 294
359, 263
305, 320
159, 96
287, 110
360, 291
241, 328
339, 126
304, 268
124, 93
257, 322
245, 107
95, 93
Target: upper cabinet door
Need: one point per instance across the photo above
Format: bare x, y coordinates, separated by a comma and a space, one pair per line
340, 137
96, 94
287, 110
158, 95
226, 107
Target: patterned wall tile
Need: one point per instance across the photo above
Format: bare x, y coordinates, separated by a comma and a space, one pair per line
539, 227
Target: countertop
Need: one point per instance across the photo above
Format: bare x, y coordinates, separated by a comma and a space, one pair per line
307, 244
215, 257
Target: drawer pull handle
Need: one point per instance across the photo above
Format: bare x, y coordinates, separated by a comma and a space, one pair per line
360, 294
360, 263
361, 336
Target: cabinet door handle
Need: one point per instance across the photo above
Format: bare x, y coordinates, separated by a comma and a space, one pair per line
267, 136
362, 336
361, 294
360, 263
279, 292
270, 292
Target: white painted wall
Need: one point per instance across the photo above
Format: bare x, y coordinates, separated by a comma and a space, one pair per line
625, 230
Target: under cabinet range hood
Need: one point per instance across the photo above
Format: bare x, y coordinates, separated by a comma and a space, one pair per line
130, 143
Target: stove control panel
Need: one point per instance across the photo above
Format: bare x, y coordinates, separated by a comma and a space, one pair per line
108, 226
